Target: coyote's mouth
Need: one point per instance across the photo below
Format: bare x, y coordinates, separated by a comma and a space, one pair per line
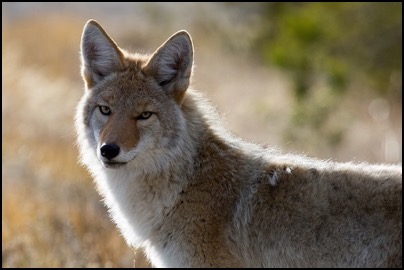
112, 164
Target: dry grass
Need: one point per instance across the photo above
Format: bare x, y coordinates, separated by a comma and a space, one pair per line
51, 214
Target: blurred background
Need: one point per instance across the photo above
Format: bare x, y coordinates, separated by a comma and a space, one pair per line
322, 79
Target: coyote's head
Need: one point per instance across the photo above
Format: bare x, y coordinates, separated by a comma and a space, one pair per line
131, 109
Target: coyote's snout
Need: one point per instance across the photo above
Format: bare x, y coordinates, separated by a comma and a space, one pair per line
179, 185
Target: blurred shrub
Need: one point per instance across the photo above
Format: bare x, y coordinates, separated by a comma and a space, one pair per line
336, 45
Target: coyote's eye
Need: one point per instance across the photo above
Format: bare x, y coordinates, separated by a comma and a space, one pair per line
105, 110
144, 115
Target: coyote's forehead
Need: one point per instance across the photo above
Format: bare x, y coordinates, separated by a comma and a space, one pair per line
130, 88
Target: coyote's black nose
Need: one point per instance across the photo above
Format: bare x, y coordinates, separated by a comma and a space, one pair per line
109, 151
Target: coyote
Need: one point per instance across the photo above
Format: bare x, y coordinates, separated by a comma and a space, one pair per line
191, 194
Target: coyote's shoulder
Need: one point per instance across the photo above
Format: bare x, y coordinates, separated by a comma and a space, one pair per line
193, 195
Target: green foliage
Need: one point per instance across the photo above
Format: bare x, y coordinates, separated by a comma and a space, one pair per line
339, 41
336, 45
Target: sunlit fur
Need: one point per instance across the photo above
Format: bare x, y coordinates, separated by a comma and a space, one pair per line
193, 195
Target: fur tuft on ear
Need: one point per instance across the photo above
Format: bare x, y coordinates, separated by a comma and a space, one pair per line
171, 64
100, 56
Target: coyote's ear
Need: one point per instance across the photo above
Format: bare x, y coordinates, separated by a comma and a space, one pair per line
100, 56
171, 64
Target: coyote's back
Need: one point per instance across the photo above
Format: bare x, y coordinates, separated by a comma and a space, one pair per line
179, 185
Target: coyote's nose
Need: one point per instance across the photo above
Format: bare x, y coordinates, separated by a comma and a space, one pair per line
109, 151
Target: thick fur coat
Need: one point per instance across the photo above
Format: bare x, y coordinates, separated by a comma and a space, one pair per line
179, 185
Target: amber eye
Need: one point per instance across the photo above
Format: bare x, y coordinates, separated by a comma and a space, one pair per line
105, 110
144, 115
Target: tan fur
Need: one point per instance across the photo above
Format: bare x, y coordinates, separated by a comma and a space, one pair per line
193, 195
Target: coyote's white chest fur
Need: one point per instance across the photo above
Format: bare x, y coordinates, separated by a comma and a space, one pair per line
176, 183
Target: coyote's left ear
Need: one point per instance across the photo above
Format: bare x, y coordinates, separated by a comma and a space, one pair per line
171, 64
100, 56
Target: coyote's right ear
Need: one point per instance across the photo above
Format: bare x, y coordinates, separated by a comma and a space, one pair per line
100, 56
171, 64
